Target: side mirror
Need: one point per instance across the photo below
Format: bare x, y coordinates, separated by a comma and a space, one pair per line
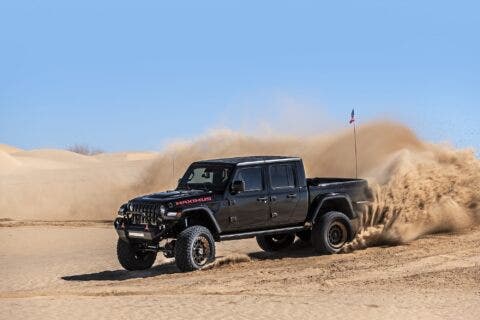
238, 186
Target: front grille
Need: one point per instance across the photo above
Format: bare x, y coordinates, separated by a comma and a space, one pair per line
146, 207
144, 213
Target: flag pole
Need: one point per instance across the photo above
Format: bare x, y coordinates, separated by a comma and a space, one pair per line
353, 120
356, 154
173, 166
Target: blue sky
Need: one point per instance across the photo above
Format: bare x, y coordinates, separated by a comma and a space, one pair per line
125, 75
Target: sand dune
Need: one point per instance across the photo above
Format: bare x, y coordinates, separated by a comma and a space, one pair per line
8, 149
8, 163
55, 155
63, 185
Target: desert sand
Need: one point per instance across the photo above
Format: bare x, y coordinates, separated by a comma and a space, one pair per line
72, 273
416, 255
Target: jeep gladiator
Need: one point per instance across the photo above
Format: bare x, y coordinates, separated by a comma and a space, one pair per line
267, 197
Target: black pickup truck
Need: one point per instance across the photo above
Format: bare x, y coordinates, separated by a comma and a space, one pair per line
216, 200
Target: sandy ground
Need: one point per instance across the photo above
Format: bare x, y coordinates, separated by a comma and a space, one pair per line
55, 272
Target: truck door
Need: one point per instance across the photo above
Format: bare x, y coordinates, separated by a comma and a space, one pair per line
248, 209
284, 194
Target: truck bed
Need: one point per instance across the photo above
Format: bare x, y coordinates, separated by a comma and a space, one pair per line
356, 189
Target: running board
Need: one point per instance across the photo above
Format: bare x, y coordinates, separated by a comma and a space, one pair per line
245, 235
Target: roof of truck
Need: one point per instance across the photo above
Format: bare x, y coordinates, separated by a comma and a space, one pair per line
250, 160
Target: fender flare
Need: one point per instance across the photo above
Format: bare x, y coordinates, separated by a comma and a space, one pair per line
209, 213
352, 214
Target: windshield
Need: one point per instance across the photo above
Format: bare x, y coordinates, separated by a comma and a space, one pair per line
206, 177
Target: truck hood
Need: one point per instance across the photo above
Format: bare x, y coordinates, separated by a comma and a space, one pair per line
177, 197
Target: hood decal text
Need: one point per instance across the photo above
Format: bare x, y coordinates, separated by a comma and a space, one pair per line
193, 201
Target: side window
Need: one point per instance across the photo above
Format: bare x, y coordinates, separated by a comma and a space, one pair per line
252, 177
282, 176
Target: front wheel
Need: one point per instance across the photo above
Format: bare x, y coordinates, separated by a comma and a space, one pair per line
276, 242
194, 248
133, 259
331, 232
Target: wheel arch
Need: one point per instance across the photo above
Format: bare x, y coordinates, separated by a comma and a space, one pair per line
333, 202
202, 216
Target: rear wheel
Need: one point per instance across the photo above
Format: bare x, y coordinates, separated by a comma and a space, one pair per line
331, 232
277, 242
132, 258
194, 248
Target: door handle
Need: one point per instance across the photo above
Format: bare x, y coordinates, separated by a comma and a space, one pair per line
273, 198
291, 196
262, 199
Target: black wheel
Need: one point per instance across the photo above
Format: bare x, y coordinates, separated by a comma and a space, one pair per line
194, 248
305, 236
277, 242
133, 259
331, 232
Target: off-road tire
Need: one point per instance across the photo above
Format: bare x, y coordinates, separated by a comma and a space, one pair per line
132, 259
277, 242
188, 245
331, 232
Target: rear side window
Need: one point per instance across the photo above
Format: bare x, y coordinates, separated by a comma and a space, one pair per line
281, 176
252, 177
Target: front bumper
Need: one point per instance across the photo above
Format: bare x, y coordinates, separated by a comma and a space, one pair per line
138, 232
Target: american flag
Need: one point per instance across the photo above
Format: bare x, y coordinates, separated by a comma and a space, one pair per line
352, 119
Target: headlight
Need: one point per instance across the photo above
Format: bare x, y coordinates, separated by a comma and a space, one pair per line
162, 210
122, 209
